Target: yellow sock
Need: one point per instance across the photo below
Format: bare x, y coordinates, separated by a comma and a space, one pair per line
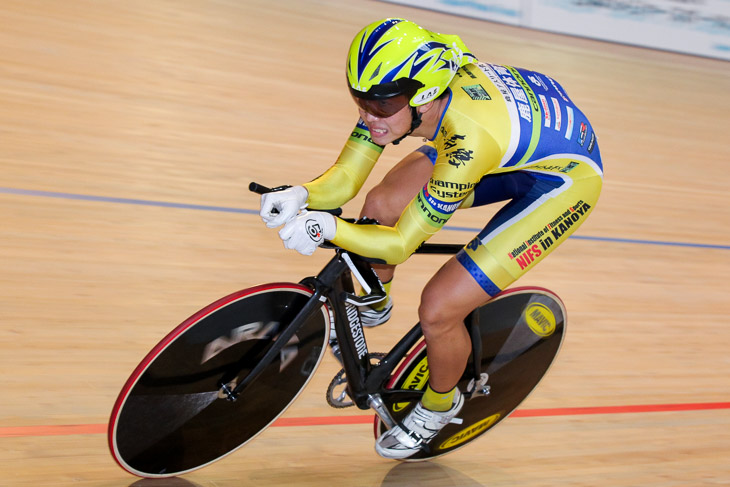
381, 304
438, 401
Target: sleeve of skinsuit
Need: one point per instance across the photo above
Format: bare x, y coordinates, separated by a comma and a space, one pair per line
341, 182
466, 152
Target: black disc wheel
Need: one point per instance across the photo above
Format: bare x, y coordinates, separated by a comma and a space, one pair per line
173, 415
521, 333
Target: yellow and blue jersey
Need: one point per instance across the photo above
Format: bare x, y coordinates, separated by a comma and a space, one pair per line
506, 134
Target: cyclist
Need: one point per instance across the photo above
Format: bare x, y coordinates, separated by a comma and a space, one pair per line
496, 133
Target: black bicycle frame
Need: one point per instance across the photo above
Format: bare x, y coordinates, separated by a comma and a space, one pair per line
365, 381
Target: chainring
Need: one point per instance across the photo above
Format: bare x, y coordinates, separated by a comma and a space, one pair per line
341, 400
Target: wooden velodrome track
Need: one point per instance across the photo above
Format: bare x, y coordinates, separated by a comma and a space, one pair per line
128, 134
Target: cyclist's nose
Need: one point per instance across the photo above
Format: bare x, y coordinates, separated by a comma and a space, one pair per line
367, 117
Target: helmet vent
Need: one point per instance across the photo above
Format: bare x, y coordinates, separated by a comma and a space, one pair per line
376, 73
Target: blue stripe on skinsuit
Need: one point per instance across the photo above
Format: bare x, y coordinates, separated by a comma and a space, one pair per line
429, 152
479, 276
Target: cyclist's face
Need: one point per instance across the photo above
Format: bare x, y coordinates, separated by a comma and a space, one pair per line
385, 130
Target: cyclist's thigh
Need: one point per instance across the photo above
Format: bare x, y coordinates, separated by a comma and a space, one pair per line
532, 225
386, 201
413, 170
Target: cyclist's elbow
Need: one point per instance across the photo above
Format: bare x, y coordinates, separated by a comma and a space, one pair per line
403, 253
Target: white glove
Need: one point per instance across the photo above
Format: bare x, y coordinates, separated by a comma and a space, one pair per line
307, 231
280, 207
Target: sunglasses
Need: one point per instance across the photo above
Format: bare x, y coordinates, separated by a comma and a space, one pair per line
383, 107
386, 99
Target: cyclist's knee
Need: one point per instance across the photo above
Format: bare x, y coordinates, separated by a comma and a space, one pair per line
436, 314
382, 204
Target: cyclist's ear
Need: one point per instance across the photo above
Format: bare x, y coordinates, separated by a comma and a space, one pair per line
425, 107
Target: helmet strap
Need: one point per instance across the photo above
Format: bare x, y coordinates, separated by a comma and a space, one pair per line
415, 123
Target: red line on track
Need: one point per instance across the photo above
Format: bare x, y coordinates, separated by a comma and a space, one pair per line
95, 429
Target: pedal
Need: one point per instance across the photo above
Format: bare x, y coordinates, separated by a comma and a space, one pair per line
479, 387
335, 350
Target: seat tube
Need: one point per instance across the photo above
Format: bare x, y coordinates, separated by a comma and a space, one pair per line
351, 339
472, 324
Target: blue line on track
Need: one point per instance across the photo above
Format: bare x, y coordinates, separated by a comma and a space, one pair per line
126, 201
164, 204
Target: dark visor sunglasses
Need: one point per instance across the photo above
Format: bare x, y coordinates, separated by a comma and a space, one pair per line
382, 108
387, 99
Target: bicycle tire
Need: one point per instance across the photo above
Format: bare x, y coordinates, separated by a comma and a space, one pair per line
522, 330
171, 417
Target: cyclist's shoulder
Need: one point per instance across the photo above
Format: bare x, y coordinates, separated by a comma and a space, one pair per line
476, 111
478, 96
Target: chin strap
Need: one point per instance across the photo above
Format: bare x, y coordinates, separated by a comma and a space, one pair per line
415, 123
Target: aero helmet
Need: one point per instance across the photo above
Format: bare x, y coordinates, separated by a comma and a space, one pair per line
394, 62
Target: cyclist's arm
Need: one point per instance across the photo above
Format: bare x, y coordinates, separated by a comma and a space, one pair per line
428, 212
341, 182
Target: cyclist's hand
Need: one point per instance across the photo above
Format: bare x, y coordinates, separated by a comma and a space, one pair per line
307, 231
279, 207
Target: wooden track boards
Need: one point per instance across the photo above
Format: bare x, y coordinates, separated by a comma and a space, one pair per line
129, 133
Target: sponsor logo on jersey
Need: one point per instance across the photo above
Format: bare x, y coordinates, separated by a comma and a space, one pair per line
545, 167
545, 110
533, 106
494, 78
557, 228
558, 118
525, 254
459, 156
537, 81
444, 207
531, 249
431, 215
560, 92
476, 92
569, 126
508, 78
448, 189
468, 72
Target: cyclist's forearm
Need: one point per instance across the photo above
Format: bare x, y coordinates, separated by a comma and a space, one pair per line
392, 245
341, 182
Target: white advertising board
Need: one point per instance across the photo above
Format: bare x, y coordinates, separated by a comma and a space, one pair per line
699, 27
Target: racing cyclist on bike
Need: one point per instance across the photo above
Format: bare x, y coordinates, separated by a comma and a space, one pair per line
496, 133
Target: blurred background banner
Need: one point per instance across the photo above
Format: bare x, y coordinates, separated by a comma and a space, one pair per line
699, 27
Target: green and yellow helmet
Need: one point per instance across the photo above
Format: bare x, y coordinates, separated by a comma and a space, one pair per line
395, 62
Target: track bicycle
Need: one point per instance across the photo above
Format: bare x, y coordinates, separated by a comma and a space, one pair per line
230, 370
